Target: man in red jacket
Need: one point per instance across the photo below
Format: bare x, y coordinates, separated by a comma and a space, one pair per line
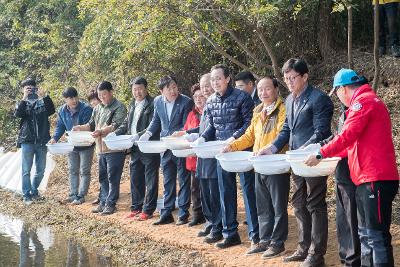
366, 139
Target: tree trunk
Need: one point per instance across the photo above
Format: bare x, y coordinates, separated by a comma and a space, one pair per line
324, 28
376, 46
350, 36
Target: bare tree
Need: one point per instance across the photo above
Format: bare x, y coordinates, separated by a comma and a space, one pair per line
350, 36
376, 47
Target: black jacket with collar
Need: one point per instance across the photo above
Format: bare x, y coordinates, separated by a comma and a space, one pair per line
34, 127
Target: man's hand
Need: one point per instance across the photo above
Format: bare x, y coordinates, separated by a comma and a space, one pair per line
312, 160
97, 133
199, 141
178, 133
145, 137
230, 140
27, 92
52, 141
227, 149
191, 137
267, 150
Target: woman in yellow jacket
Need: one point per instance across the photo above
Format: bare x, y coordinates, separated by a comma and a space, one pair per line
272, 191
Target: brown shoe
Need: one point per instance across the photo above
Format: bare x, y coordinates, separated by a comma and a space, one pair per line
296, 256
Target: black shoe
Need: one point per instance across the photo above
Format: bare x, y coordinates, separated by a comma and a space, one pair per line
296, 256
273, 251
313, 261
205, 232
257, 247
210, 239
98, 209
182, 221
229, 242
395, 50
197, 221
108, 210
164, 220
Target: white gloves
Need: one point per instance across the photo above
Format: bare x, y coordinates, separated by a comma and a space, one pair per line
229, 140
134, 138
198, 141
145, 137
112, 134
191, 137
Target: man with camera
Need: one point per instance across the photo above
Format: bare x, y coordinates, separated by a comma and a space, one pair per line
34, 132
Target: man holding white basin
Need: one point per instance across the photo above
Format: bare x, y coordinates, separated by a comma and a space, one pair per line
170, 112
229, 112
272, 191
308, 120
75, 112
143, 166
366, 139
106, 117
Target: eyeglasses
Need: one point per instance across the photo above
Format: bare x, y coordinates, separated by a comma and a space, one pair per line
292, 79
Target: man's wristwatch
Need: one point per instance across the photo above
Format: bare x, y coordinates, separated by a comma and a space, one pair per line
318, 156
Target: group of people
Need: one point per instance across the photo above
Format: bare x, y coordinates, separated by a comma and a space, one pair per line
247, 115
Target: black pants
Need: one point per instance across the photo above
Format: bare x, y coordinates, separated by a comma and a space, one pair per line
272, 196
388, 12
195, 196
144, 182
374, 206
346, 224
311, 213
211, 204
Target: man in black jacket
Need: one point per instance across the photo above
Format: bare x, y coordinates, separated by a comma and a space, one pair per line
143, 167
34, 132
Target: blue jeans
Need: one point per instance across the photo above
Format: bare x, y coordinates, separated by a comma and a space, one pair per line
30, 151
110, 170
228, 197
172, 167
80, 162
247, 180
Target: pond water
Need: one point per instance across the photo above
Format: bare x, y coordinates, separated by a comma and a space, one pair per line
23, 246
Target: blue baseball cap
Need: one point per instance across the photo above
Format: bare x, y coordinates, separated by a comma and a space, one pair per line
345, 77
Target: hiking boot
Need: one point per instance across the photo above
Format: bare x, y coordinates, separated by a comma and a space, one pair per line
98, 209
296, 256
395, 51
273, 251
229, 242
257, 247
108, 210
313, 261
164, 220
213, 238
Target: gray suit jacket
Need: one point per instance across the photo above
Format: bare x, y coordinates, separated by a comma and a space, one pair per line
310, 124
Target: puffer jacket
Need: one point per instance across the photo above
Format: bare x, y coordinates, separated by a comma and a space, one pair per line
262, 132
34, 127
228, 115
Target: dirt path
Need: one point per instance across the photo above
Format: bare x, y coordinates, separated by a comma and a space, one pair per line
185, 237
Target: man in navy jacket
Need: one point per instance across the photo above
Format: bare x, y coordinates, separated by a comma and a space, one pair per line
170, 112
229, 113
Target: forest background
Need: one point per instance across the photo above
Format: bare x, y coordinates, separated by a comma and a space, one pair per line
64, 43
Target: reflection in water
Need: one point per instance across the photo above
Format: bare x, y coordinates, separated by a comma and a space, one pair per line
39, 247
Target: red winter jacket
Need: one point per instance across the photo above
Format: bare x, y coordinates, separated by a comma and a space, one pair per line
367, 138
192, 121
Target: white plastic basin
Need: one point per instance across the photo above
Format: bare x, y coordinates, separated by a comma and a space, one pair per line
175, 143
208, 150
120, 142
270, 164
60, 148
325, 167
151, 146
235, 161
80, 138
183, 153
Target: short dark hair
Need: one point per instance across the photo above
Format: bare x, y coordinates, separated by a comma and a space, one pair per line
195, 87
166, 81
274, 80
70, 92
223, 67
93, 95
299, 65
245, 76
28, 82
105, 85
138, 80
